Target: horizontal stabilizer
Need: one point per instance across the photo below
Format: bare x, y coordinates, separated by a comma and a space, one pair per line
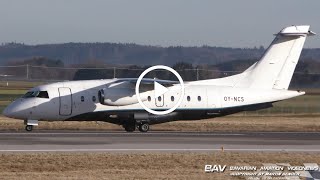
296, 31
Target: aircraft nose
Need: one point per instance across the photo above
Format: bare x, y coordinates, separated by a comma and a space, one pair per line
7, 111
18, 109
13, 110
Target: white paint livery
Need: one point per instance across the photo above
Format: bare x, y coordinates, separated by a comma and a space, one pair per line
114, 100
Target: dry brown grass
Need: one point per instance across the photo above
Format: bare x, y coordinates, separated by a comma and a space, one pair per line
135, 165
223, 124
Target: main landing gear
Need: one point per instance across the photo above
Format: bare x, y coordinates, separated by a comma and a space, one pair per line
144, 127
131, 126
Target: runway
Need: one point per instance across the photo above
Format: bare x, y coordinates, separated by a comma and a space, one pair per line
85, 141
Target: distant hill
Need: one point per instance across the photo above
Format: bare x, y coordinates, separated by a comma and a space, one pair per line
133, 54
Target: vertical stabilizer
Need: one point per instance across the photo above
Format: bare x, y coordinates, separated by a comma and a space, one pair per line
275, 69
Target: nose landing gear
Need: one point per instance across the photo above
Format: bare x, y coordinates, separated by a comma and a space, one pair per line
29, 127
30, 123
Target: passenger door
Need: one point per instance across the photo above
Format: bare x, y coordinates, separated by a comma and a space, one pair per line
65, 98
159, 101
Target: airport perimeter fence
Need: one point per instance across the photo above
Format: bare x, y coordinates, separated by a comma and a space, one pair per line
43, 73
307, 104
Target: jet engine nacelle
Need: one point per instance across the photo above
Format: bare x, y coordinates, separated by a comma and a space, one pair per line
119, 96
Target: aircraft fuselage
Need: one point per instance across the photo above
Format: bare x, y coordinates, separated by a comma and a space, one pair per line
79, 100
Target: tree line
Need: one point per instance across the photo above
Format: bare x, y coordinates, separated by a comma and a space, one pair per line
133, 54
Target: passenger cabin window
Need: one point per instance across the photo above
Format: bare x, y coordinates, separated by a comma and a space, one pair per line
172, 98
149, 98
94, 98
188, 98
82, 98
199, 98
39, 94
159, 98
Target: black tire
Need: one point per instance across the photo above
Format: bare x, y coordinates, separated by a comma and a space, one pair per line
130, 128
29, 127
144, 127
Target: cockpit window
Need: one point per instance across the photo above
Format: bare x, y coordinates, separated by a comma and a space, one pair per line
30, 94
40, 94
43, 94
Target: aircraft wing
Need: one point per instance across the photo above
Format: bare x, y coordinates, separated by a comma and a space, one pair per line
121, 92
146, 83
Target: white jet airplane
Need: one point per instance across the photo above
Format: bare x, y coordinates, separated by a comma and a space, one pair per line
115, 101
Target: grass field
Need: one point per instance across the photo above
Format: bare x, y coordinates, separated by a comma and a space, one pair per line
20, 85
136, 165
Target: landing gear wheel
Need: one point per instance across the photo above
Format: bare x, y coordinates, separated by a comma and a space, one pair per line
130, 128
29, 127
144, 127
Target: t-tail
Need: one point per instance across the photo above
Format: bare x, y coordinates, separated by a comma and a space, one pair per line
276, 67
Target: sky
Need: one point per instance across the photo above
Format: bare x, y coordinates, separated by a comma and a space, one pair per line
226, 23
